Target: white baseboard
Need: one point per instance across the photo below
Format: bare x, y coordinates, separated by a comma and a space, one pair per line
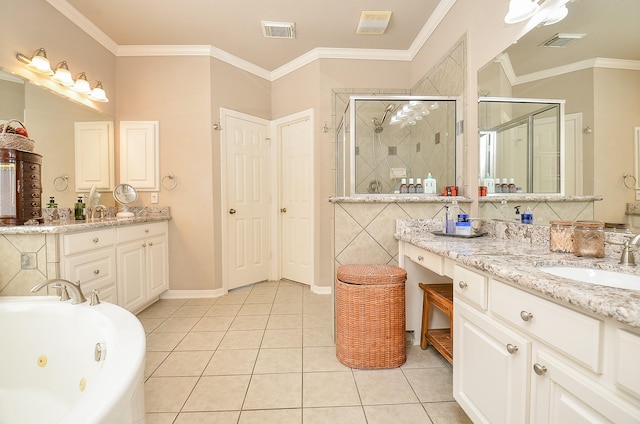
191, 294
320, 289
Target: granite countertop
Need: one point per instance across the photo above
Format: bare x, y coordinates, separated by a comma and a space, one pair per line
517, 262
399, 198
74, 226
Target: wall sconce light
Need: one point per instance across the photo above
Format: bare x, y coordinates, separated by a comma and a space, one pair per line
98, 94
81, 84
38, 62
63, 75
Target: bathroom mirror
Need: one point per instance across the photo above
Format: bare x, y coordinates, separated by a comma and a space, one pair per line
383, 139
520, 141
125, 194
593, 66
49, 118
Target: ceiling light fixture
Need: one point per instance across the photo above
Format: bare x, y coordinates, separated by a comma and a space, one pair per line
412, 112
38, 62
520, 11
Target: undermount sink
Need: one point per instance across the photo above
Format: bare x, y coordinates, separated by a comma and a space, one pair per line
595, 276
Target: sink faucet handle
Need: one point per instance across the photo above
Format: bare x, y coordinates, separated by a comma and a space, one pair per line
62, 292
95, 300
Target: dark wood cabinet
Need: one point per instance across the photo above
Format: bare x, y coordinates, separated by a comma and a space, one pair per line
20, 186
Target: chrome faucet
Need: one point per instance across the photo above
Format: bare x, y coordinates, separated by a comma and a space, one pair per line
93, 210
629, 246
71, 289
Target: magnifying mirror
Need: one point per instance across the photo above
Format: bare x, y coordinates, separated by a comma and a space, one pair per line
125, 194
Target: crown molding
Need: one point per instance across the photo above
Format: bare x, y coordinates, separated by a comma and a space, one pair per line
84, 24
87, 26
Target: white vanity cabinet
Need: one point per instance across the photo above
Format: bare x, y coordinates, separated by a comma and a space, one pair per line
89, 258
94, 162
520, 358
142, 263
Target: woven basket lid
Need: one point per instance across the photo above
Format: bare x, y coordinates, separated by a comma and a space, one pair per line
371, 274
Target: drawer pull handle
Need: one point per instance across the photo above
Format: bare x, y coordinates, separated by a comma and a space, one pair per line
462, 285
95, 240
151, 244
146, 231
144, 245
96, 272
539, 369
34, 185
512, 348
33, 195
33, 176
420, 258
34, 204
526, 316
34, 213
34, 167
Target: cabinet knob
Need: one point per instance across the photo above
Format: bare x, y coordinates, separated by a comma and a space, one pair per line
539, 369
283, 210
146, 231
526, 316
462, 285
95, 240
151, 244
96, 272
420, 258
144, 245
512, 348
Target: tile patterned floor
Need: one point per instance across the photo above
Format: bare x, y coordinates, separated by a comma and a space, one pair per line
265, 354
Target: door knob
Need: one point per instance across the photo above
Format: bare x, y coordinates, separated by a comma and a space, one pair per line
283, 210
232, 211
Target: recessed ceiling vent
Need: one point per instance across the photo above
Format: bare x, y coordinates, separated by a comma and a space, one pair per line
278, 29
561, 39
373, 22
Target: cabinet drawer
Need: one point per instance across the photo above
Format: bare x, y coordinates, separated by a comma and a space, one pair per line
470, 285
627, 361
91, 240
571, 332
429, 260
94, 270
137, 232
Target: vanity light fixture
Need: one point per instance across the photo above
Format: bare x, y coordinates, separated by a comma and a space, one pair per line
520, 11
38, 62
81, 84
63, 75
98, 94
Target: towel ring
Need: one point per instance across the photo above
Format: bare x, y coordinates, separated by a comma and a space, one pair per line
171, 185
624, 181
61, 183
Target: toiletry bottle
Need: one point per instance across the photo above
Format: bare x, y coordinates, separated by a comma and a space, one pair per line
52, 202
79, 209
505, 186
411, 187
419, 187
454, 210
403, 186
430, 184
512, 185
519, 216
498, 186
527, 217
490, 184
446, 220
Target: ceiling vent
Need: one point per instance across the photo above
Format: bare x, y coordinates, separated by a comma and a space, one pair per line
278, 29
373, 22
561, 39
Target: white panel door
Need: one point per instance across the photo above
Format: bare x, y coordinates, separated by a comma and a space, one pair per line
296, 203
247, 200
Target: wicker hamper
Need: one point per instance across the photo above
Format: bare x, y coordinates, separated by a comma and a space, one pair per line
370, 316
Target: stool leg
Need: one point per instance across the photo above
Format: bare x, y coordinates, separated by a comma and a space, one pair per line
425, 322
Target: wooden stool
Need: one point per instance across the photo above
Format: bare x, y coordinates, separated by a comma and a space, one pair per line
440, 296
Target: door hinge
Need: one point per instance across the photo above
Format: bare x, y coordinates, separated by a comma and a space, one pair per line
460, 127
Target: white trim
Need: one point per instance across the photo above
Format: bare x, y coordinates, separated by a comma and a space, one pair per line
321, 289
192, 294
84, 24
93, 31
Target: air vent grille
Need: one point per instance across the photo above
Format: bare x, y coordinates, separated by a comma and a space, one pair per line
373, 22
561, 40
278, 29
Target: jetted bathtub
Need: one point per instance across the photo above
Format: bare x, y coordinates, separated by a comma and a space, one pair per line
52, 372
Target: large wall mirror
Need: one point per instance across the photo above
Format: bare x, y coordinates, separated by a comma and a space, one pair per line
590, 60
49, 118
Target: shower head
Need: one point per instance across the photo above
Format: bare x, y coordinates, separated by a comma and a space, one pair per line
378, 123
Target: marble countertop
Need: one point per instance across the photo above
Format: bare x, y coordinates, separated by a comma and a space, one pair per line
518, 262
73, 226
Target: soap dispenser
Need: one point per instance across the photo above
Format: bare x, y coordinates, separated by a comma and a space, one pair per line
527, 217
79, 209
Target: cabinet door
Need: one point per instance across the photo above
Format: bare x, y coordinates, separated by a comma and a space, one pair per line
94, 155
561, 394
157, 266
94, 270
490, 369
131, 262
140, 154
